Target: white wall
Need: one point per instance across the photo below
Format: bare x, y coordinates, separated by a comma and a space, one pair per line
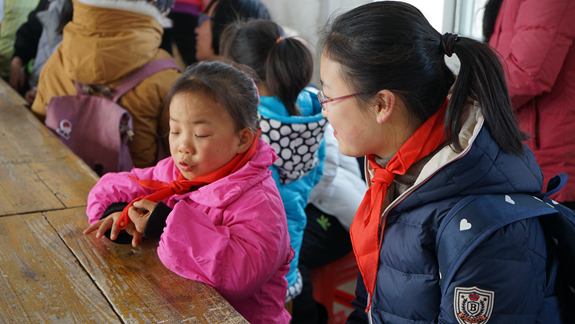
433, 10
306, 17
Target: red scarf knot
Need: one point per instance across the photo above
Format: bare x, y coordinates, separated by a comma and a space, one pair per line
178, 187
365, 228
384, 177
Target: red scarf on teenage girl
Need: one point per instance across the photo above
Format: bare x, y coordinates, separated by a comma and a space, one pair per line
365, 226
182, 185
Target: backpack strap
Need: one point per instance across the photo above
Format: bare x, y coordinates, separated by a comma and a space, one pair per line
475, 218
554, 185
141, 74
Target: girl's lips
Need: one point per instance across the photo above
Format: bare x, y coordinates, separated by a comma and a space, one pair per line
185, 167
334, 132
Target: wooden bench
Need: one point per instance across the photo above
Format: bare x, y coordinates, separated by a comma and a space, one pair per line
49, 271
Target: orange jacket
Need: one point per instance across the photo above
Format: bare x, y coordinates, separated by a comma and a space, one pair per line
103, 45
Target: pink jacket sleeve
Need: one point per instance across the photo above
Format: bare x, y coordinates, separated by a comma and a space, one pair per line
118, 187
541, 37
229, 252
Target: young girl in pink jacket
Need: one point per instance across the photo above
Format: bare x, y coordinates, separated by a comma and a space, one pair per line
212, 204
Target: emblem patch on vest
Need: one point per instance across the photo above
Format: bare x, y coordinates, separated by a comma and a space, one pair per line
473, 305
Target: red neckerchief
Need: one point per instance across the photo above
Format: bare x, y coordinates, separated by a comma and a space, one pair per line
365, 225
182, 185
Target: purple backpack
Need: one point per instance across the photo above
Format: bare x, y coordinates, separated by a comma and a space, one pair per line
96, 128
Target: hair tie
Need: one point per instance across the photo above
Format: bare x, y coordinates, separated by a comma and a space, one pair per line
279, 39
448, 43
257, 91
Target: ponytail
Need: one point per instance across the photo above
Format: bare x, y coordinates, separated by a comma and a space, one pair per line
283, 64
481, 77
289, 67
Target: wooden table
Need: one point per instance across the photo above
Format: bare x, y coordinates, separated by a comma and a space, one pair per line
49, 271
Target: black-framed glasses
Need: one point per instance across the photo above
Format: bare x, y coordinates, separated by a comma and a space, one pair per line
202, 18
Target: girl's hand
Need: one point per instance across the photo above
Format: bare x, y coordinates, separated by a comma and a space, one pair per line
136, 236
140, 213
105, 224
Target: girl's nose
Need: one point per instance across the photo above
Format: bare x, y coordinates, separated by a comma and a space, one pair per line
185, 147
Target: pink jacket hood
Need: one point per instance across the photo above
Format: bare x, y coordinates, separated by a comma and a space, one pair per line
231, 234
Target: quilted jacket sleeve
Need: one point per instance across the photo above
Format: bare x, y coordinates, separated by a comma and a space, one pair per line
235, 253
119, 187
542, 35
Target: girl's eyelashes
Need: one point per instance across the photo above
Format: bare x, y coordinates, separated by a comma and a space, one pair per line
201, 136
174, 133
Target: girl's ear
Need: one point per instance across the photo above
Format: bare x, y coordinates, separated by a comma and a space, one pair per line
246, 140
385, 104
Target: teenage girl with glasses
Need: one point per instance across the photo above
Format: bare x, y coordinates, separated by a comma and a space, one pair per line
437, 141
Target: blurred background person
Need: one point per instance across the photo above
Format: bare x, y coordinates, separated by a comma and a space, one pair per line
535, 41
14, 14
290, 118
184, 18
106, 41
219, 14
35, 41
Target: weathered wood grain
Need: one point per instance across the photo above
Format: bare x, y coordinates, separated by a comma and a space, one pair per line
37, 171
136, 283
69, 180
23, 137
22, 191
40, 279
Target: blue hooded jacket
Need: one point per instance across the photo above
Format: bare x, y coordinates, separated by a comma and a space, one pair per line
511, 268
299, 144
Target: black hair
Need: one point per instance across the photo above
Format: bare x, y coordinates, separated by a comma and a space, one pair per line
492, 8
283, 63
228, 11
229, 86
65, 15
390, 45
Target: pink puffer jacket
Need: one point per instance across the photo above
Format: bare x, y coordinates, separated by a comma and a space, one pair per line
231, 234
535, 38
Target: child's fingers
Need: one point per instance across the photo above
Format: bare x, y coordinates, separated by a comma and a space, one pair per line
106, 224
134, 213
146, 205
115, 231
93, 227
137, 238
139, 219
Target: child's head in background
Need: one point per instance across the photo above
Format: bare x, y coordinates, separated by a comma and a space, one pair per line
283, 64
217, 15
213, 117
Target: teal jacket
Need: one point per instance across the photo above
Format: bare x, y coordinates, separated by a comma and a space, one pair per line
299, 143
